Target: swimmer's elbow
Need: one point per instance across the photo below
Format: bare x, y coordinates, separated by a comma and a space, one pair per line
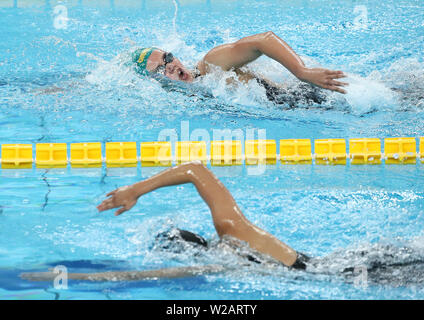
225, 227
194, 169
264, 37
195, 165
255, 41
269, 34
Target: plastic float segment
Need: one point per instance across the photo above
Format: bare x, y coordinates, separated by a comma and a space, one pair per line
330, 151
400, 150
422, 149
295, 151
260, 152
16, 156
226, 153
121, 154
51, 155
86, 155
365, 151
191, 150
154, 154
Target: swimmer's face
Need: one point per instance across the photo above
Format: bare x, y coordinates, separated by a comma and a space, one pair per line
160, 62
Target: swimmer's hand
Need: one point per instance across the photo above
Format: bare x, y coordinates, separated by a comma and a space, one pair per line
124, 197
323, 78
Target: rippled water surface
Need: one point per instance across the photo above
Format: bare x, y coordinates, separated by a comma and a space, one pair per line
334, 213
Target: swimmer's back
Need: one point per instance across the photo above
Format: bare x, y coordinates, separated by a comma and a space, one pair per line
177, 239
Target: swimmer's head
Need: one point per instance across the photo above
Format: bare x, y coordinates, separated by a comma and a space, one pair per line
153, 61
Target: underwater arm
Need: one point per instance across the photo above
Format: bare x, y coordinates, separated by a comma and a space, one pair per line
167, 273
227, 216
237, 54
49, 90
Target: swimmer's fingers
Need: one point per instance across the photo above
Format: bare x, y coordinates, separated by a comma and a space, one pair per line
334, 85
334, 88
335, 74
126, 207
120, 211
111, 203
338, 83
339, 75
107, 204
324, 78
111, 193
337, 89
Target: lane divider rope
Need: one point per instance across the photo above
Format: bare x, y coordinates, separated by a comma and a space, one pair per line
401, 150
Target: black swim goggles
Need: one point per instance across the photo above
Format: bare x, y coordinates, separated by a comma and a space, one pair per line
168, 57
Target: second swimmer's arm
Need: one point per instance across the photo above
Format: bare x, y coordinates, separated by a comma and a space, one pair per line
169, 273
237, 54
227, 216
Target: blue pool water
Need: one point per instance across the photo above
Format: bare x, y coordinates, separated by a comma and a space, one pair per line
48, 217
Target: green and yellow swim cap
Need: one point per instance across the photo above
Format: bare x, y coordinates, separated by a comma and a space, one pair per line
139, 57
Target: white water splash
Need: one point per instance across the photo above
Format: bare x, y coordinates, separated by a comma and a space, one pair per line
366, 95
174, 20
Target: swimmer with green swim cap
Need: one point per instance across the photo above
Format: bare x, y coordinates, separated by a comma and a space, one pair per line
234, 56
139, 57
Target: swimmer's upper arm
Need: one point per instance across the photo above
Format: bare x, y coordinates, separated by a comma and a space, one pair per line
229, 219
234, 55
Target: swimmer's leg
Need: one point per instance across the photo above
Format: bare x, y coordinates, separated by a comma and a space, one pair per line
226, 215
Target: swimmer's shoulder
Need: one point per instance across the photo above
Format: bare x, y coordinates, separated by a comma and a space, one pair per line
203, 67
213, 59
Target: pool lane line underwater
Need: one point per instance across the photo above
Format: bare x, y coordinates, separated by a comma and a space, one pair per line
401, 150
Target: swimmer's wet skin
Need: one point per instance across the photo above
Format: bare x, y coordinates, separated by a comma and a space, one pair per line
226, 215
234, 56
230, 223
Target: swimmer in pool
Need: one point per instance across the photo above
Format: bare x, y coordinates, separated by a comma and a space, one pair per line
156, 63
234, 56
226, 215
385, 263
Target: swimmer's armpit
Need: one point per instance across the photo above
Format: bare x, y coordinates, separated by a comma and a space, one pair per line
167, 273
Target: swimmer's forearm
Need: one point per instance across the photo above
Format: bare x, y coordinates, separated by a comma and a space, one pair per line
217, 197
206, 183
126, 197
170, 177
275, 48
